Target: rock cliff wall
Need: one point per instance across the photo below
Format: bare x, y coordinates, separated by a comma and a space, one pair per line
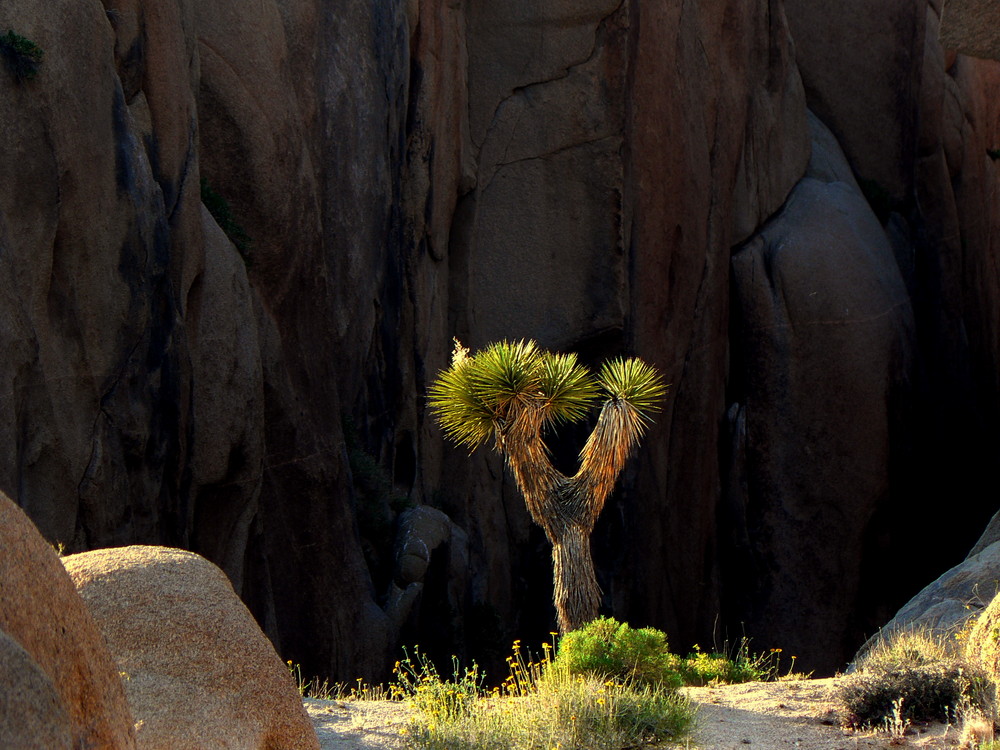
236, 241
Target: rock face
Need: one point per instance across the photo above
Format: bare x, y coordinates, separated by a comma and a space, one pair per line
52, 643
198, 670
821, 358
236, 241
971, 27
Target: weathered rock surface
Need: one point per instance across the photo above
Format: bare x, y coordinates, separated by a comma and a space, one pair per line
971, 27
198, 670
424, 536
227, 399
41, 611
823, 351
704, 166
946, 605
32, 714
861, 66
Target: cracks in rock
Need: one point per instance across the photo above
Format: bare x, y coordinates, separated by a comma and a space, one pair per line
553, 153
496, 122
96, 445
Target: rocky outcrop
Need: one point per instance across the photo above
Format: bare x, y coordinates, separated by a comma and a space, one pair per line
861, 66
822, 356
914, 122
430, 570
197, 668
57, 643
945, 606
708, 106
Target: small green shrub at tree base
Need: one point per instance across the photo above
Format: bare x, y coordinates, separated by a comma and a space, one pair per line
22, 56
539, 707
613, 650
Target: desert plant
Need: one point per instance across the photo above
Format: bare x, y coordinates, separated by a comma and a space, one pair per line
511, 392
437, 699
982, 640
912, 677
612, 650
537, 708
738, 664
22, 56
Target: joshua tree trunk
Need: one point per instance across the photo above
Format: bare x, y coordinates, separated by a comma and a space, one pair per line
567, 507
577, 595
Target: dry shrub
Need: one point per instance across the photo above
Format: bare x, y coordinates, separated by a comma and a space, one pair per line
982, 646
912, 677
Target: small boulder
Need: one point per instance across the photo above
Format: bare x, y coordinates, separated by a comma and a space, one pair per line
199, 672
41, 611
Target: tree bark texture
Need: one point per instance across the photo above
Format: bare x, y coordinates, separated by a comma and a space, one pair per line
568, 507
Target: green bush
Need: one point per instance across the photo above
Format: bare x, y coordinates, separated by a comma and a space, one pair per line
911, 678
613, 650
537, 707
703, 668
22, 56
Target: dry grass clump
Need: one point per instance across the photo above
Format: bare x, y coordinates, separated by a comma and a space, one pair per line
914, 677
982, 644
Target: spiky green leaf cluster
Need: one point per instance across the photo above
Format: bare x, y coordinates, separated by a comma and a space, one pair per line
477, 395
633, 381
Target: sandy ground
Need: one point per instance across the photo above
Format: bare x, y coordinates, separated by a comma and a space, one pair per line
358, 725
795, 714
767, 716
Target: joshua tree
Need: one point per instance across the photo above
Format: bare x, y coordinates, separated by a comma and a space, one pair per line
511, 392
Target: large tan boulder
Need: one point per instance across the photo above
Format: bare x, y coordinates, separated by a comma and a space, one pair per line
32, 714
198, 670
41, 611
